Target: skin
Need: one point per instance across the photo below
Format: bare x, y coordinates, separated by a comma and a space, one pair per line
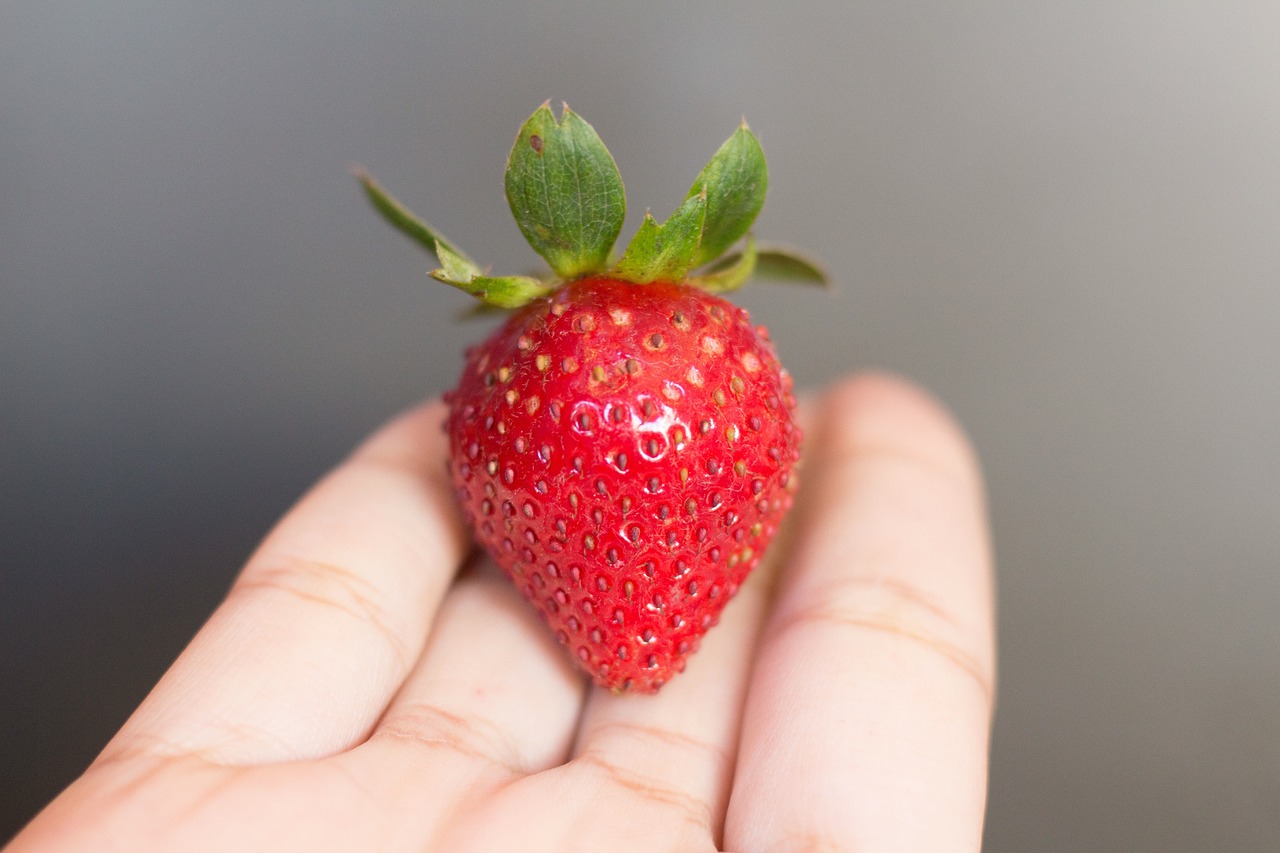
364, 687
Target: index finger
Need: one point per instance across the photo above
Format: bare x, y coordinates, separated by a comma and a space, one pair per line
867, 719
326, 619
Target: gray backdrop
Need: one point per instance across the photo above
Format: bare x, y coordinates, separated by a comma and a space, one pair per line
1062, 217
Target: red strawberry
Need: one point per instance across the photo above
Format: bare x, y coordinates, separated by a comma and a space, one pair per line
624, 453
623, 445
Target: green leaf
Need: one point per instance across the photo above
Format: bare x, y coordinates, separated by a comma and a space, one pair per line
455, 266
665, 252
510, 291
420, 232
731, 272
565, 192
735, 182
784, 263
773, 262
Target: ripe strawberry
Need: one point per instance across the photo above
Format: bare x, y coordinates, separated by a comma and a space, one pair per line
623, 445
624, 452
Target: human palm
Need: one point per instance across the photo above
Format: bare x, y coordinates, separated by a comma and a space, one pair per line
357, 691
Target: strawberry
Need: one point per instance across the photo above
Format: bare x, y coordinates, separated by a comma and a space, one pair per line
623, 445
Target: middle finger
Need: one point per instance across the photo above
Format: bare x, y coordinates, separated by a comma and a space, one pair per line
676, 750
493, 698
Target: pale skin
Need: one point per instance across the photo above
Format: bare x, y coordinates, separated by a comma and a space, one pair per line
361, 689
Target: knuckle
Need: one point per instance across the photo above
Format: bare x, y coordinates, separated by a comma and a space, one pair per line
895, 608
432, 728
328, 586
615, 734
650, 793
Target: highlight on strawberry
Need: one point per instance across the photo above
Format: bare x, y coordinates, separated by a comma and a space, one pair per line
623, 445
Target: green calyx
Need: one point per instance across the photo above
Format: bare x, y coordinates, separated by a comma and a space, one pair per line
567, 197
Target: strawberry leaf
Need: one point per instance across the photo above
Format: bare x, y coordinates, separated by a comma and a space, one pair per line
454, 266
509, 291
775, 262
565, 192
735, 181
731, 272
665, 252
759, 263
415, 229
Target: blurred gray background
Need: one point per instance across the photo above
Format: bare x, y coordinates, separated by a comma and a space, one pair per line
1064, 218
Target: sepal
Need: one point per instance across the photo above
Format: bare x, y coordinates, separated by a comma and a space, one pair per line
565, 192
776, 262
735, 182
509, 291
665, 252
404, 221
730, 272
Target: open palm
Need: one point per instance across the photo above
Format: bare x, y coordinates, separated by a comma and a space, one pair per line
364, 688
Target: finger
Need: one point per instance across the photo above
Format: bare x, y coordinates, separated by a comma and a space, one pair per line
492, 698
869, 707
671, 756
650, 772
325, 620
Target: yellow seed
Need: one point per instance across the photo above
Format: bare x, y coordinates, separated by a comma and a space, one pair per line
504, 373
542, 361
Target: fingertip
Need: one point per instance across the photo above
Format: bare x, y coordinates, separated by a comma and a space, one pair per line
413, 437
882, 409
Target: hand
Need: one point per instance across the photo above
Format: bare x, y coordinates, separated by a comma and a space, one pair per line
354, 692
